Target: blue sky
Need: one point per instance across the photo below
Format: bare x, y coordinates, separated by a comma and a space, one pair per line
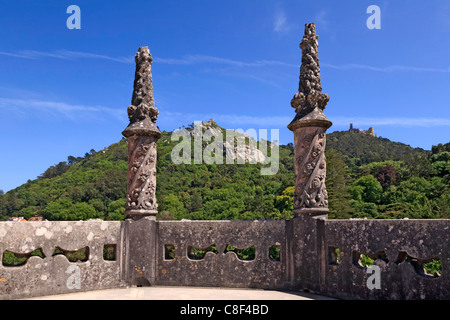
64, 92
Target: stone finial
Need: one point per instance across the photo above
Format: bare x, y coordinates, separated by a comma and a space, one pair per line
309, 102
309, 126
142, 135
142, 112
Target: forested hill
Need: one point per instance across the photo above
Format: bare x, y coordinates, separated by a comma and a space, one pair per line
366, 177
359, 149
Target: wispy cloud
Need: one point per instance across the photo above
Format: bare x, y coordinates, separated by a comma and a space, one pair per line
280, 23
65, 55
210, 60
205, 59
56, 109
76, 112
87, 55
185, 60
230, 119
442, 14
393, 68
282, 121
265, 71
391, 121
321, 19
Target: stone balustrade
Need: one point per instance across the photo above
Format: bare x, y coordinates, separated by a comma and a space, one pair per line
314, 254
53, 243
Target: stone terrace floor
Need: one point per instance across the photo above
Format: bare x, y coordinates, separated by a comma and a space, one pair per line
183, 293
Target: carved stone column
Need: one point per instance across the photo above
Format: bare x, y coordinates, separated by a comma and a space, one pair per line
309, 127
142, 134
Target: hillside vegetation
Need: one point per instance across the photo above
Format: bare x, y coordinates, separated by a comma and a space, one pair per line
366, 177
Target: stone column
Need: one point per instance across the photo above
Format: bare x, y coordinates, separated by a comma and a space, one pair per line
305, 239
309, 127
139, 230
142, 135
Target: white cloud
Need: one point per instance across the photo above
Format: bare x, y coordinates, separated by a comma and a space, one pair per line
185, 60
352, 66
394, 121
199, 59
234, 119
87, 55
256, 70
59, 109
442, 14
77, 112
280, 22
283, 121
206, 59
321, 19
65, 55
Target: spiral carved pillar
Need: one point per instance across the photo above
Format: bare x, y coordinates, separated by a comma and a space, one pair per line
310, 168
309, 127
142, 135
141, 198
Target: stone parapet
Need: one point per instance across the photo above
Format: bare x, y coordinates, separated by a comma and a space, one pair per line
97, 264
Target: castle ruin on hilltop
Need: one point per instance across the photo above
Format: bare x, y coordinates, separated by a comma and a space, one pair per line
370, 132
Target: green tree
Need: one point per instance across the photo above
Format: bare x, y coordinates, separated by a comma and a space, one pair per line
441, 163
172, 204
55, 170
285, 202
196, 202
386, 176
116, 210
66, 210
363, 209
337, 183
12, 203
366, 189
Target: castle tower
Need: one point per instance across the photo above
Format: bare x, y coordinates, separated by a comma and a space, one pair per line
142, 135
309, 126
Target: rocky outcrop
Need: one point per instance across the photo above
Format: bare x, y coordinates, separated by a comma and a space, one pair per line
236, 146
